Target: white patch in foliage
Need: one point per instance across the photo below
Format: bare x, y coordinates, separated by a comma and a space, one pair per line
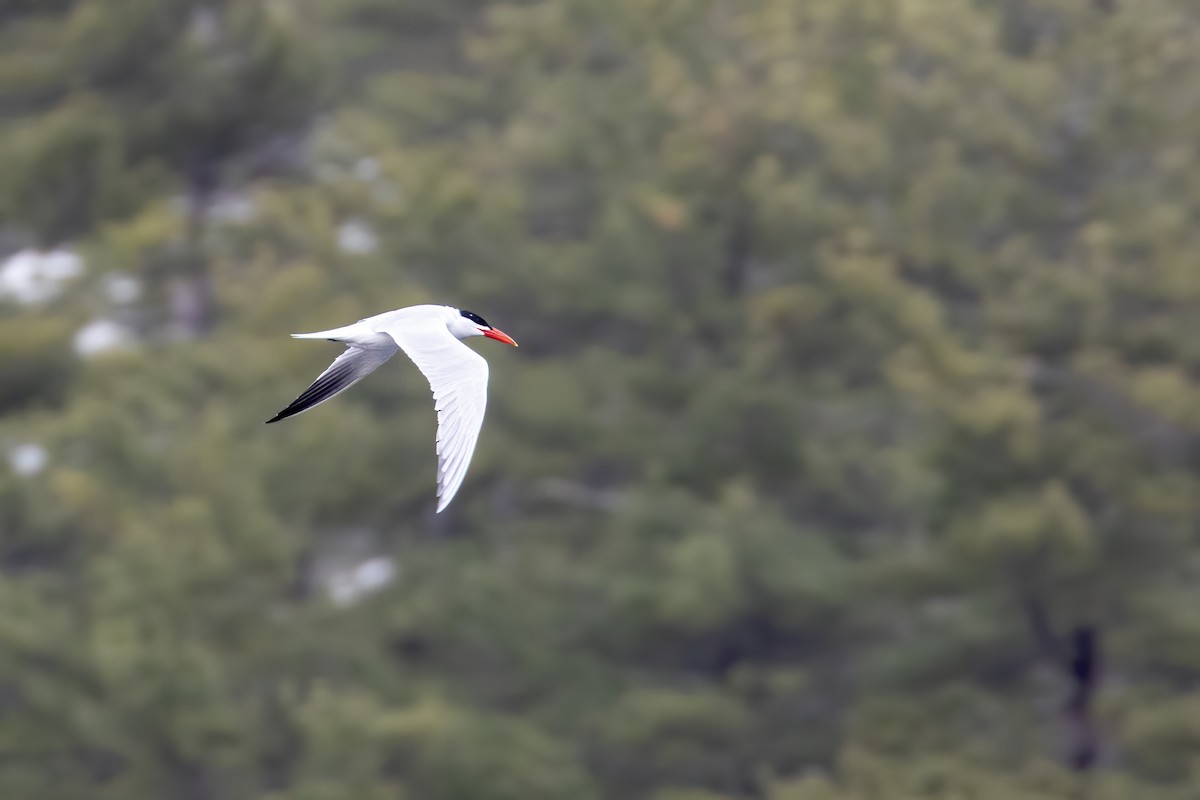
34, 276
122, 288
356, 238
232, 207
28, 459
367, 170
101, 335
204, 27
346, 586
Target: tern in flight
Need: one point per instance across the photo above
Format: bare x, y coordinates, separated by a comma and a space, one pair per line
430, 336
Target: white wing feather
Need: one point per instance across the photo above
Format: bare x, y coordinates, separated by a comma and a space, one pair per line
458, 377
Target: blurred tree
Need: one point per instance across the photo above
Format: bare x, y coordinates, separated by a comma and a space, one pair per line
105, 108
850, 452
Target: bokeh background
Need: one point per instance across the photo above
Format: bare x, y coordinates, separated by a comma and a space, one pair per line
851, 452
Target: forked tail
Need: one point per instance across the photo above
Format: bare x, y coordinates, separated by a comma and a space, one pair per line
333, 334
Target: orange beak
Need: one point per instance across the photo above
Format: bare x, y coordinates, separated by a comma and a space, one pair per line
499, 336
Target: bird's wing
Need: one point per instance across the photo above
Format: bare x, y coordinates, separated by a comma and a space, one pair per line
458, 377
346, 370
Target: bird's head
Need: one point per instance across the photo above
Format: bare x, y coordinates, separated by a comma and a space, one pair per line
471, 324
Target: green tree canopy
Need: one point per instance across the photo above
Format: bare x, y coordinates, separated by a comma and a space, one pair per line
849, 454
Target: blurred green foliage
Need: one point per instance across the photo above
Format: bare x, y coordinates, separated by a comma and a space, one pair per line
850, 453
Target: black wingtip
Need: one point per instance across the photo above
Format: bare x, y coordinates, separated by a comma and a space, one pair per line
291, 411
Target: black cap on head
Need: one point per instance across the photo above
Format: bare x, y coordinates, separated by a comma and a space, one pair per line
478, 320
